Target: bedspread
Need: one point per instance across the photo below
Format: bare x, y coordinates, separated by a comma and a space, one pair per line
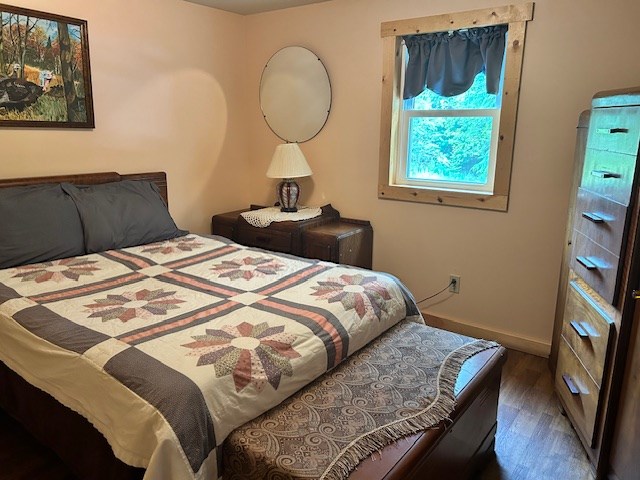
166, 348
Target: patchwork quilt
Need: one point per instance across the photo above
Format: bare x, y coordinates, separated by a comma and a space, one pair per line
166, 348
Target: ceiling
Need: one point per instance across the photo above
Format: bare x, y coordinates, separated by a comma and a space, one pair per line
247, 7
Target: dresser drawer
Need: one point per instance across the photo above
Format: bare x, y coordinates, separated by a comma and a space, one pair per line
601, 220
278, 241
596, 265
609, 174
615, 130
579, 394
587, 329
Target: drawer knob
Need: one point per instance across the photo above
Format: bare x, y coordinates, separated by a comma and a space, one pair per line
568, 381
586, 263
612, 130
580, 330
593, 217
604, 174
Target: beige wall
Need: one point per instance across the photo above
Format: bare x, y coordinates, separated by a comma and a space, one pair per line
176, 89
168, 95
508, 262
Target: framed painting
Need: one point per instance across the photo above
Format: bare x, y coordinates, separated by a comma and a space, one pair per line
45, 77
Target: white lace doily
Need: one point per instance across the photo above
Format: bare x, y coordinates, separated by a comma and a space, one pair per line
265, 216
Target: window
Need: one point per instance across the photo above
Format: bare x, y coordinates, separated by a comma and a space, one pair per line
452, 150
449, 142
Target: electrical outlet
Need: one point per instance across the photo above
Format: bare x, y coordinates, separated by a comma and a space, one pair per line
454, 281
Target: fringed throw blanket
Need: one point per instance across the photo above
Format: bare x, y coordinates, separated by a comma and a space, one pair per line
400, 384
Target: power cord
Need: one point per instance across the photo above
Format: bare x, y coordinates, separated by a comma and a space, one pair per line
451, 283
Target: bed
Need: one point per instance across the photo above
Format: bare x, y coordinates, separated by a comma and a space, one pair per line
105, 321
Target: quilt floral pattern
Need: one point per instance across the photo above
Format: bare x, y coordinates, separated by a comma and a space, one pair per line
57, 271
364, 294
174, 245
251, 354
207, 334
137, 304
247, 267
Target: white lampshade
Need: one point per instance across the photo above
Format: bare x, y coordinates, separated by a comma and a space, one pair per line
288, 162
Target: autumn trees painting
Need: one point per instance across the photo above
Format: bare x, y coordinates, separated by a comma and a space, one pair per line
44, 70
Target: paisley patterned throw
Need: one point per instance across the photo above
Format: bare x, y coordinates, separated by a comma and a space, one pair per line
400, 384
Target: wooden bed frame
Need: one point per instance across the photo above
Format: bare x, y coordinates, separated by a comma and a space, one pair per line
159, 178
454, 449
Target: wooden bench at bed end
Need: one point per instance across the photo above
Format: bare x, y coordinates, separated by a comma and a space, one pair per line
159, 178
453, 450
456, 449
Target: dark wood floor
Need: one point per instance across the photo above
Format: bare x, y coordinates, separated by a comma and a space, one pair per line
534, 441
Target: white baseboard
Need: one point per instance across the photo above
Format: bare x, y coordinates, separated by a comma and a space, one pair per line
522, 344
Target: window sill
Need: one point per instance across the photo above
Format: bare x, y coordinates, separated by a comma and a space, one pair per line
444, 197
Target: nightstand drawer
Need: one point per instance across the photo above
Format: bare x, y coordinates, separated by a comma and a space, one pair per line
596, 265
615, 130
609, 174
223, 230
278, 241
346, 241
224, 224
587, 329
601, 220
578, 392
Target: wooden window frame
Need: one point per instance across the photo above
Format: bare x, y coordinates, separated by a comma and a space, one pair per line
516, 16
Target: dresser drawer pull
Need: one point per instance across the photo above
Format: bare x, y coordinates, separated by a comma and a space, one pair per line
593, 217
263, 239
604, 174
612, 130
580, 330
568, 381
586, 263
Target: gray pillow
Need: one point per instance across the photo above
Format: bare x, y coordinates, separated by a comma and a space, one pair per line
38, 223
122, 214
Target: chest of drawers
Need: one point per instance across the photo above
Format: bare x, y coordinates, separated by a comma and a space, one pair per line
583, 352
602, 208
595, 306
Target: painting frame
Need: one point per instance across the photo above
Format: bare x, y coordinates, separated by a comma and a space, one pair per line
41, 97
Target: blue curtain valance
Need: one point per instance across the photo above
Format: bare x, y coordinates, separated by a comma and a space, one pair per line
448, 62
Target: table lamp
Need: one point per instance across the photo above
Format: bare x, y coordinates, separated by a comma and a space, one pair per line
288, 162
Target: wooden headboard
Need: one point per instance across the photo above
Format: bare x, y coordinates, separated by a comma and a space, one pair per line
159, 178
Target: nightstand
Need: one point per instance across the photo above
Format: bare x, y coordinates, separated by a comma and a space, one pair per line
327, 237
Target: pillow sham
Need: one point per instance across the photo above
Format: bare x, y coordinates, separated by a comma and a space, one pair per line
38, 223
122, 214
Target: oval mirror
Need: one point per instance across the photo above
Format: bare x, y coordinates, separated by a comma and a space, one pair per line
295, 94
